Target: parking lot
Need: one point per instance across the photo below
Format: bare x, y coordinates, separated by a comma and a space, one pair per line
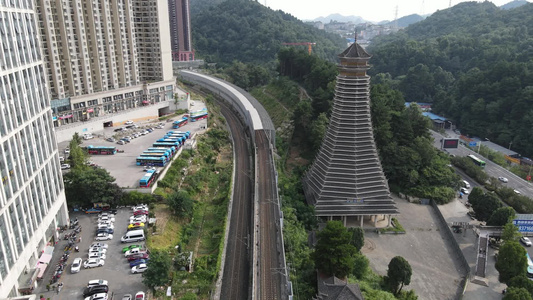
436, 271
116, 269
123, 166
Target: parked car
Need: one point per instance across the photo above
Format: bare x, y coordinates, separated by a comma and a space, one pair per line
128, 122
106, 218
103, 237
525, 241
139, 269
119, 129
517, 192
503, 179
121, 142
137, 262
65, 166
99, 255
67, 151
137, 219
136, 225
140, 212
138, 256
464, 191
148, 168
140, 207
134, 252
93, 263
95, 290
98, 249
140, 296
100, 245
105, 225
130, 247
127, 297
101, 296
105, 230
96, 282
76, 265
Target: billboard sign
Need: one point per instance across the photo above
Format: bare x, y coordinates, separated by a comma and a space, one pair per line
524, 225
450, 143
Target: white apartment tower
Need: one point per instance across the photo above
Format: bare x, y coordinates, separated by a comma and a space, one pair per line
105, 56
32, 199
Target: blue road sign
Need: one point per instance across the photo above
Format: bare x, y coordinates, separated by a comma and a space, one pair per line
524, 225
472, 144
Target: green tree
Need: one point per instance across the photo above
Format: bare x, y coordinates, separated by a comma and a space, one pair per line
318, 130
510, 232
398, 274
157, 273
180, 203
501, 216
360, 266
358, 237
512, 261
521, 281
334, 252
513, 293
76, 139
85, 186
486, 207
77, 156
476, 195
407, 295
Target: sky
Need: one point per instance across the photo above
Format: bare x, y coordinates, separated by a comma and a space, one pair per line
370, 10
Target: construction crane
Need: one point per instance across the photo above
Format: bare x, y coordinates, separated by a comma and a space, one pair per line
309, 45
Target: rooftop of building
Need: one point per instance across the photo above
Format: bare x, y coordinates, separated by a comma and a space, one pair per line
354, 51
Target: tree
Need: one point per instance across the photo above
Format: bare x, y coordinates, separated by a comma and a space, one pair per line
360, 265
85, 186
513, 293
512, 261
180, 203
398, 274
486, 207
510, 232
334, 252
476, 195
501, 216
158, 268
358, 237
521, 281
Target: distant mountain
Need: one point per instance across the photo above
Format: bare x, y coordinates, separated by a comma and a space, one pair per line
340, 18
513, 4
407, 20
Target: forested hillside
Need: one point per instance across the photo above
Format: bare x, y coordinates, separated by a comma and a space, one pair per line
249, 32
474, 62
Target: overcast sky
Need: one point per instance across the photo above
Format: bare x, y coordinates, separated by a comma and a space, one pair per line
370, 10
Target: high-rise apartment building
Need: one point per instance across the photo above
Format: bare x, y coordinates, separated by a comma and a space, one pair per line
32, 198
105, 56
180, 30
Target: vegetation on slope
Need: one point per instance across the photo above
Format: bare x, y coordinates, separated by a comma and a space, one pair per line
250, 32
473, 62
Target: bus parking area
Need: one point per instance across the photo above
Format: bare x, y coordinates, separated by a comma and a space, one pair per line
122, 165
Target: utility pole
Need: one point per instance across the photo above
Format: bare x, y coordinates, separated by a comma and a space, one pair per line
510, 145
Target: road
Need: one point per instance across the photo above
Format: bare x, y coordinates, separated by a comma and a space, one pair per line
236, 278
491, 168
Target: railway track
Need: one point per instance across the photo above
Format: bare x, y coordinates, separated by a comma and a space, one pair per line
269, 261
236, 275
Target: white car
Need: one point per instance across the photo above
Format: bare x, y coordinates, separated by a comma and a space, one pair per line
103, 236
96, 282
525, 241
503, 179
140, 207
464, 191
96, 255
98, 249
138, 219
76, 265
139, 269
105, 219
99, 245
517, 192
106, 225
65, 166
100, 296
93, 263
128, 122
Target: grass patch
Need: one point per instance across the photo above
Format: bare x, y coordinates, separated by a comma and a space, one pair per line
167, 229
396, 227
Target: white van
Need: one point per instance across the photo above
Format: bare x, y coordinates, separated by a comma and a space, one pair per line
466, 184
133, 236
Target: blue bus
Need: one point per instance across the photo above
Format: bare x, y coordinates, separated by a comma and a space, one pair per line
165, 151
101, 150
178, 141
175, 136
148, 179
151, 161
187, 133
172, 150
199, 117
167, 144
180, 123
155, 154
